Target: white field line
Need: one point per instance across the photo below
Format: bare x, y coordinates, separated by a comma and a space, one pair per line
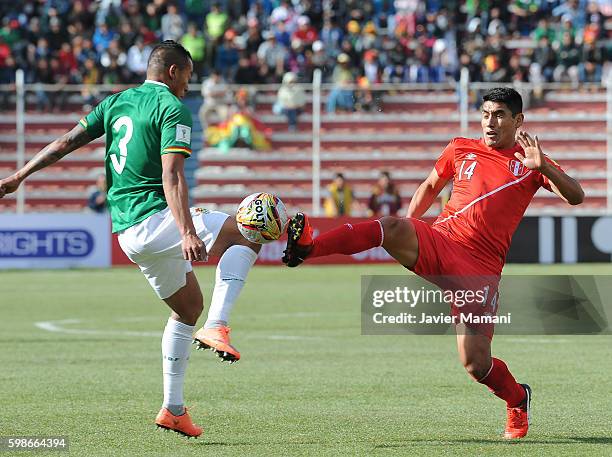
298, 314
59, 326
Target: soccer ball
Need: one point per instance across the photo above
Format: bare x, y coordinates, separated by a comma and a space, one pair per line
262, 218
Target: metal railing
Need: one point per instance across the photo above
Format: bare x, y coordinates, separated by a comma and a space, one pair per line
24, 94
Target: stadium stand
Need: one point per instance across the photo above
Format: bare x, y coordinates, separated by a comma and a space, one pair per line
62, 42
406, 139
572, 126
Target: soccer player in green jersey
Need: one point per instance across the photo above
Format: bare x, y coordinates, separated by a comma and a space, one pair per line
148, 138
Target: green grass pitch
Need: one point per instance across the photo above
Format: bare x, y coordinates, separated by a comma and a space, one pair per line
308, 382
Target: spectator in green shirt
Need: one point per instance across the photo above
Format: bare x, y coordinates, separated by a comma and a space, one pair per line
10, 31
544, 30
568, 58
216, 22
195, 43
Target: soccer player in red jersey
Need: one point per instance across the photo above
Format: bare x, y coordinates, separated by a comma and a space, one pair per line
494, 179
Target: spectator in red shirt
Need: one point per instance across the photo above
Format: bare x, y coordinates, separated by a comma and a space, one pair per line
68, 61
385, 199
5, 52
305, 32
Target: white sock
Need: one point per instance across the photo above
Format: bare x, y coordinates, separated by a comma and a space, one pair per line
176, 345
232, 270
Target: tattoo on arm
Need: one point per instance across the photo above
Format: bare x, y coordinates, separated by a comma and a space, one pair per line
54, 151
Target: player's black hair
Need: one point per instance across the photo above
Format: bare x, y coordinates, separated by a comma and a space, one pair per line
339, 175
168, 53
511, 98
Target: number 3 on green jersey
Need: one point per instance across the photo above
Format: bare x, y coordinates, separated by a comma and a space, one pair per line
119, 159
141, 125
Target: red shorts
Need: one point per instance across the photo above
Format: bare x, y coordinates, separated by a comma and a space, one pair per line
452, 266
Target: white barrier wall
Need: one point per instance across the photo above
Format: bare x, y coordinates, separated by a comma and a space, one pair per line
55, 240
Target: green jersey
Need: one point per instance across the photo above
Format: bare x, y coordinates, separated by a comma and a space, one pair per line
141, 124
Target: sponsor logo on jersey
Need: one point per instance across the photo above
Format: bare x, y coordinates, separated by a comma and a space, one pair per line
517, 168
183, 133
470, 156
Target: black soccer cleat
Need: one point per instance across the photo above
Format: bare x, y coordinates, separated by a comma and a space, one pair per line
298, 228
528, 396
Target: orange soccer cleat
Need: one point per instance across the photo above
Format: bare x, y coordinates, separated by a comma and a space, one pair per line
180, 424
519, 417
217, 339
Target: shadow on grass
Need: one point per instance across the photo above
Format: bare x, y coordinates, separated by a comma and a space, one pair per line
526, 442
592, 439
263, 443
604, 440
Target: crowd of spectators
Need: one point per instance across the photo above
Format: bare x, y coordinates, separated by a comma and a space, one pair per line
362, 42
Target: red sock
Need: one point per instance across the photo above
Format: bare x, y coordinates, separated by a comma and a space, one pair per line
348, 239
500, 381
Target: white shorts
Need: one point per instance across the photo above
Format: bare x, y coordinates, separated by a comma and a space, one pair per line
155, 245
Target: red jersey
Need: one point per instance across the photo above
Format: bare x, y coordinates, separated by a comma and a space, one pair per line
491, 191
307, 35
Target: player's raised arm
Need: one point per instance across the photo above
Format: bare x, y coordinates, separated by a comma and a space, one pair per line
561, 184
50, 154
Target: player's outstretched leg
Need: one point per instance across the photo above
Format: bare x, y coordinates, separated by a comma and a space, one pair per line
237, 258
186, 304
475, 354
396, 235
346, 239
